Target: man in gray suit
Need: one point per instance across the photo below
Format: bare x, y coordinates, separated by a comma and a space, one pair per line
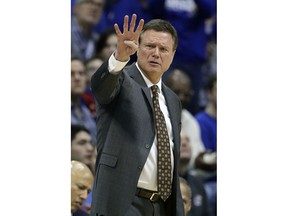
126, 180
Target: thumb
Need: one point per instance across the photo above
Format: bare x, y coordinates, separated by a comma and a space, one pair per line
131, 44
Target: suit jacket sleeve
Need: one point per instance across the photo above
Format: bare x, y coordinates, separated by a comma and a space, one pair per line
105, 85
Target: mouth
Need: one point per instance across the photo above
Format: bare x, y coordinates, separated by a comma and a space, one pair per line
154, 63
78, 204
89, 155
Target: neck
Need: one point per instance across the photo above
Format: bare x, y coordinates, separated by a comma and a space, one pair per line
211, 109
183, 166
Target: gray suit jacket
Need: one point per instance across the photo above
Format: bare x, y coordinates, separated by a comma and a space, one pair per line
125, 113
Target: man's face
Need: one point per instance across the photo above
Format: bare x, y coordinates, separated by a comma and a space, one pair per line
110, 46
184, 93
81, 183
182, 88
185, 148
82, 149
91, 68
78, 82
155, 54
212, 94
89, 11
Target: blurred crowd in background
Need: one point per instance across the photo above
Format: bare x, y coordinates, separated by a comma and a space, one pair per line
192, 76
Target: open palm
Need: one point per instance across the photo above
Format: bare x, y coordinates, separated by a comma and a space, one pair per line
127, 43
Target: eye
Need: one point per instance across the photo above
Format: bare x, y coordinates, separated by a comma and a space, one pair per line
84, 141
164, 49
81, 187
150, 46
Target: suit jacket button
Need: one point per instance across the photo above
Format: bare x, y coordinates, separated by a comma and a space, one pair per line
147, 146
139, 167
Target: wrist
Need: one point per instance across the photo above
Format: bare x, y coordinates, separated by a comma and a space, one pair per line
120, 58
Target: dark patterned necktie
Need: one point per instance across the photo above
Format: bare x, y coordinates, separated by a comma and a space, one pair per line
163, 147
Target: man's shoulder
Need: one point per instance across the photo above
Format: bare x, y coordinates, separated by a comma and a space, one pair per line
80, 212
187, 114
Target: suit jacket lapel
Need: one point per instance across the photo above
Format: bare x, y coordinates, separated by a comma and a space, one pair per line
135, 74
172, 108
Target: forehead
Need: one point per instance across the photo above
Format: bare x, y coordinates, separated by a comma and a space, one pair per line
82, 177
94, 63
76, 64
152, 36
181, 86
82, 135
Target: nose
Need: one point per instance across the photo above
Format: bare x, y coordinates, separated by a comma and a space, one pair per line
90, 147
156, 52
183, 144
77, 76
84, 194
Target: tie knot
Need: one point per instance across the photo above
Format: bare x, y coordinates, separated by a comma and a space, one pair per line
155, 89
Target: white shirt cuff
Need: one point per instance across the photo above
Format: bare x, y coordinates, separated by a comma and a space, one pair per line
115, 66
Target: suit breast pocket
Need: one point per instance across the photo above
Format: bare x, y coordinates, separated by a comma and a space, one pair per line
106, 173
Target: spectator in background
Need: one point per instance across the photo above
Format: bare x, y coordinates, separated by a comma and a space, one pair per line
180, 83
87, 14
186, 195
81, 146
91, 66
82, 150
207, 119
81, 183
200, 204
189, 19
208, 123
106, 44
210, 66
80, 114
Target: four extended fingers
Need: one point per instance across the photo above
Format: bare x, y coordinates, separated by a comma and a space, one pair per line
132, 25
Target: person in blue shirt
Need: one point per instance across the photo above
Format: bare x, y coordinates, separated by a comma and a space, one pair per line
207, 120
80, 114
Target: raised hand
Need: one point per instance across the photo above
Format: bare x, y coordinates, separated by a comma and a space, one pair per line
127, 42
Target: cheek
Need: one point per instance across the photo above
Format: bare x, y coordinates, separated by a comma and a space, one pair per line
142, 53
73, 193
167, 60
77, 150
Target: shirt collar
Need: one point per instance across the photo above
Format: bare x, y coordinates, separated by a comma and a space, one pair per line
147, 81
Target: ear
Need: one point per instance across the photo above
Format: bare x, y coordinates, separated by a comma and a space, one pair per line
173, 54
